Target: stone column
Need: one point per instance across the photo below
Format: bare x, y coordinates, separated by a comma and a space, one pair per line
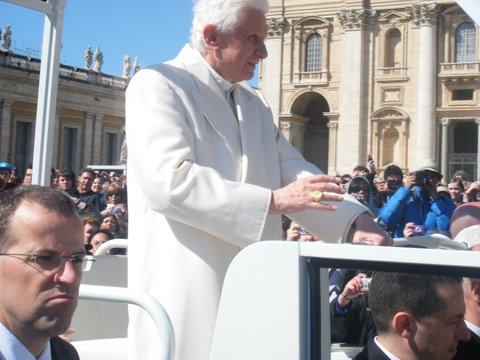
56, 158
88, 134
332, 146
425, 16
444, 146
6, 125
352, 89
97, 140
477, 176
271, 72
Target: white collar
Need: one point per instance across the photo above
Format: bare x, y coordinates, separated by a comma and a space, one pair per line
12, 349
388, 353
475, 329
225, 86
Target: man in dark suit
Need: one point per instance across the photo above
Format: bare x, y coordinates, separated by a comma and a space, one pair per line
466, 229
417, 317
41, 262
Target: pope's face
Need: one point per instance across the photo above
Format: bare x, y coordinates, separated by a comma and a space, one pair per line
240, 51
36, 303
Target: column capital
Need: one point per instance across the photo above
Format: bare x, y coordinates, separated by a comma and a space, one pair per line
332, 124
276, 27
352, 19
423, 14
445, 121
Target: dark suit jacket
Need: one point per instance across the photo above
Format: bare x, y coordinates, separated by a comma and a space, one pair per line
371, 352
62, 350
468, 350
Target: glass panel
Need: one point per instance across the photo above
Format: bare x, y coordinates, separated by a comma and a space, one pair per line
465, 39
313, 53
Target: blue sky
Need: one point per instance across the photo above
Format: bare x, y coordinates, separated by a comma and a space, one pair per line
153, 30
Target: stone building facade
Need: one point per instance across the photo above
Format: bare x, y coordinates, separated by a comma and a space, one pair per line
90, 114
399, 80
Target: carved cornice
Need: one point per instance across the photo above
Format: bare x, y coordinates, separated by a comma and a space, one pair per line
423, 14
352, 19
277, 26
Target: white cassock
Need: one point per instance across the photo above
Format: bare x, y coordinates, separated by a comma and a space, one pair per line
199, 189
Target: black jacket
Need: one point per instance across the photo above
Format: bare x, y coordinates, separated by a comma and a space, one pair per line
468, 350
371, 352
62, 350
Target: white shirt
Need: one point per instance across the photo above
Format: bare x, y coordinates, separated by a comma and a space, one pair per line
12, 349
388, 353
473, 328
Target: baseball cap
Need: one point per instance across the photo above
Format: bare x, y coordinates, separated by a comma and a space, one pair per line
6, 166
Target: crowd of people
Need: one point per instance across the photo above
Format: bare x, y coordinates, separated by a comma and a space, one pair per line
100, 198
404, 205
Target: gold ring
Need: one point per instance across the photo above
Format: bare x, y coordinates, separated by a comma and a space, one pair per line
317, 195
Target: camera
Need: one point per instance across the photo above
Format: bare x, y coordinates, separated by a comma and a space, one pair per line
418, 230
303, 231
422, 177
392, 184
366, 284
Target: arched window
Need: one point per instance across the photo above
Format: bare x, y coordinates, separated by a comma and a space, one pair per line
465, 39
393, 53
313, 59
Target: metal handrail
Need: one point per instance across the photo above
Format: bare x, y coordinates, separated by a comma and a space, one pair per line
139, 298
112, 244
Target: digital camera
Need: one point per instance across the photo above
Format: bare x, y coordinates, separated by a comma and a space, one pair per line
418, 230
392, 184
366, 284
422, 177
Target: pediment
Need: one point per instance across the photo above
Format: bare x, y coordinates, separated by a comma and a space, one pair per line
393, 17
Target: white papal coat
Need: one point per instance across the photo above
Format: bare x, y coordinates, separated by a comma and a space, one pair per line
199, 187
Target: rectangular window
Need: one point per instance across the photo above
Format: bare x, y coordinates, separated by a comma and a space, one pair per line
23, 145
462, 95
70, 148
112, 149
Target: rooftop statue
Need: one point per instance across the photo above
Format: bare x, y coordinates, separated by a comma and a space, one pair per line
98, 59
88, 58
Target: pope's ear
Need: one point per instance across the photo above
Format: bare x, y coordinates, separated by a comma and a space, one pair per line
403, 324
210, 36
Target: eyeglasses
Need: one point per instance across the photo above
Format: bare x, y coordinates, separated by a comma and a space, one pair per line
81, 262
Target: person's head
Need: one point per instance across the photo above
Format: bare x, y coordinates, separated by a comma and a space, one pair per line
97, 185
90, 225
465, 225
65, 179
27, 178
113, 194
455, 189
393, 176
462, 175
109, 223
428, 174
359, 187
6, 171
40, 236
230, 34
360, 170
418, 316
85, 180
100, 237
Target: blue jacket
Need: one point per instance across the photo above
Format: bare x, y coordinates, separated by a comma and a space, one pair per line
416, 206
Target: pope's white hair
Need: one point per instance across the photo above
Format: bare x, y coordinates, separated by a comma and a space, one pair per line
224, 14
